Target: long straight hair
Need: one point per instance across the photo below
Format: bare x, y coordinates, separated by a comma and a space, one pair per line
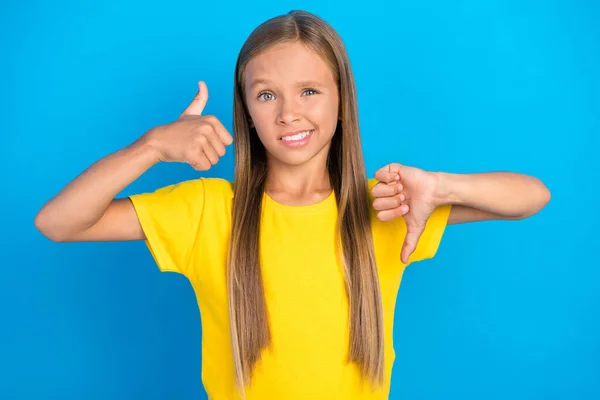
249, 325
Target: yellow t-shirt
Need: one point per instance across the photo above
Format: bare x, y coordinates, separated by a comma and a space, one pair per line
188, 226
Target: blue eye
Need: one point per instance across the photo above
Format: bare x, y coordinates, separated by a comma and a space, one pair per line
313, 91
265, 93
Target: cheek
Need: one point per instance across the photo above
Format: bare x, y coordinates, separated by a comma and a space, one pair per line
325, 114
260, 121
258, 114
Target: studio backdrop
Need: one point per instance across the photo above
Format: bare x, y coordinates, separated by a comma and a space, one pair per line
506, 310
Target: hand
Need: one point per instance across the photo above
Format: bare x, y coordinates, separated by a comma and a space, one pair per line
408, 192
193, 138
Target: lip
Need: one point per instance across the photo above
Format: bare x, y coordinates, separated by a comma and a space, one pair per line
296, 144
294, 133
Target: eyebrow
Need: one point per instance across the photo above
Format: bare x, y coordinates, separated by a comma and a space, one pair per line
299, 83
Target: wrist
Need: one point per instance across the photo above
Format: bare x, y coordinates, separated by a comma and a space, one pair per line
148, 145
446, 190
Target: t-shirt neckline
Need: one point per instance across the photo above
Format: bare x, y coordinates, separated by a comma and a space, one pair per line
320, 206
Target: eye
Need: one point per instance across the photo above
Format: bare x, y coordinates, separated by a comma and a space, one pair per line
268, 96
265, 93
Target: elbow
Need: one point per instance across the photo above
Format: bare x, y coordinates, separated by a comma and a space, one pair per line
542, 199
547, 196
45, 227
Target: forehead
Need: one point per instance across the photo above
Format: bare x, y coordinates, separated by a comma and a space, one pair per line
288, 62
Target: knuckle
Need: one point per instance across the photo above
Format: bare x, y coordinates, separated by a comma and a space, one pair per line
212, 157
376, 204
211, 119
202, 140
206, 128
386, 216
201, 166
194, 163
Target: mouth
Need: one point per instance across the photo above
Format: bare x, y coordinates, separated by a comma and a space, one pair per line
297, 135
298, 138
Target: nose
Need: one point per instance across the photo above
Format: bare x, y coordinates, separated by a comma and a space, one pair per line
288, 111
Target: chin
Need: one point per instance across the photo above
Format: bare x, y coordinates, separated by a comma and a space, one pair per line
298, 158
294, 161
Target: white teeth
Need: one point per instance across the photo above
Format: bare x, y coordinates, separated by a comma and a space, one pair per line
299, 136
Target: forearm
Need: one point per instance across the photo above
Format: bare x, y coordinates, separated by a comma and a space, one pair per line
84, 200
507, 194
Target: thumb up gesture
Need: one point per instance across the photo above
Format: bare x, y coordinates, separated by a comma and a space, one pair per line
193, 138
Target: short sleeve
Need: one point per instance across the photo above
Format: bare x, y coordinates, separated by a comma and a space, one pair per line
432, 235
170, 217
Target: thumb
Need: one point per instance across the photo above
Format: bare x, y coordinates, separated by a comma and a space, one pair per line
410, 242
197, 105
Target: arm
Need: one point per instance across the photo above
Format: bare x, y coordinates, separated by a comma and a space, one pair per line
415, 195
86, 209
490, 196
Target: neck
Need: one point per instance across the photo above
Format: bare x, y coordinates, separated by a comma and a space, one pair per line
298, 184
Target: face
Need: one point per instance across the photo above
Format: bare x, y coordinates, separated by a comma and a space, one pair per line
293, 102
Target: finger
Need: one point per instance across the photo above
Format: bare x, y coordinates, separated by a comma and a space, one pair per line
388, 203
389, 173
197, 105
389, 215
221, 131
210, 154
410, 242
216, 144
200, 162
382, 189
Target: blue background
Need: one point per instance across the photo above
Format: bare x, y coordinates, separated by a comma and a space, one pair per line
505, 310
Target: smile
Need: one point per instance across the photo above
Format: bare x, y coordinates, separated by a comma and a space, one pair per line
297, 140
298, 136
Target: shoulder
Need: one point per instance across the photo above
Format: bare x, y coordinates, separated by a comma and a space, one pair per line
217, 185
203, 186
217, 189
189, 192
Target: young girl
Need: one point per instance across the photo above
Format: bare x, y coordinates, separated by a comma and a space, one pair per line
297, 263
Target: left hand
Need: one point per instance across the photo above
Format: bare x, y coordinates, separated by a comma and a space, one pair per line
408, 192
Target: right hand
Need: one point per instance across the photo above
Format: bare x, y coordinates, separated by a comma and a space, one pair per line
193, 138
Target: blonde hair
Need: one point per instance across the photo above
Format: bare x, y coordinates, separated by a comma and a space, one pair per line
247, 307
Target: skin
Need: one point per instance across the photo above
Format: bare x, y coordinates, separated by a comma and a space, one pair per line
298, 176
283, 102
413, 194
87, 210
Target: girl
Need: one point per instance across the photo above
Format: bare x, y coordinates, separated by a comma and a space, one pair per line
295, 265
